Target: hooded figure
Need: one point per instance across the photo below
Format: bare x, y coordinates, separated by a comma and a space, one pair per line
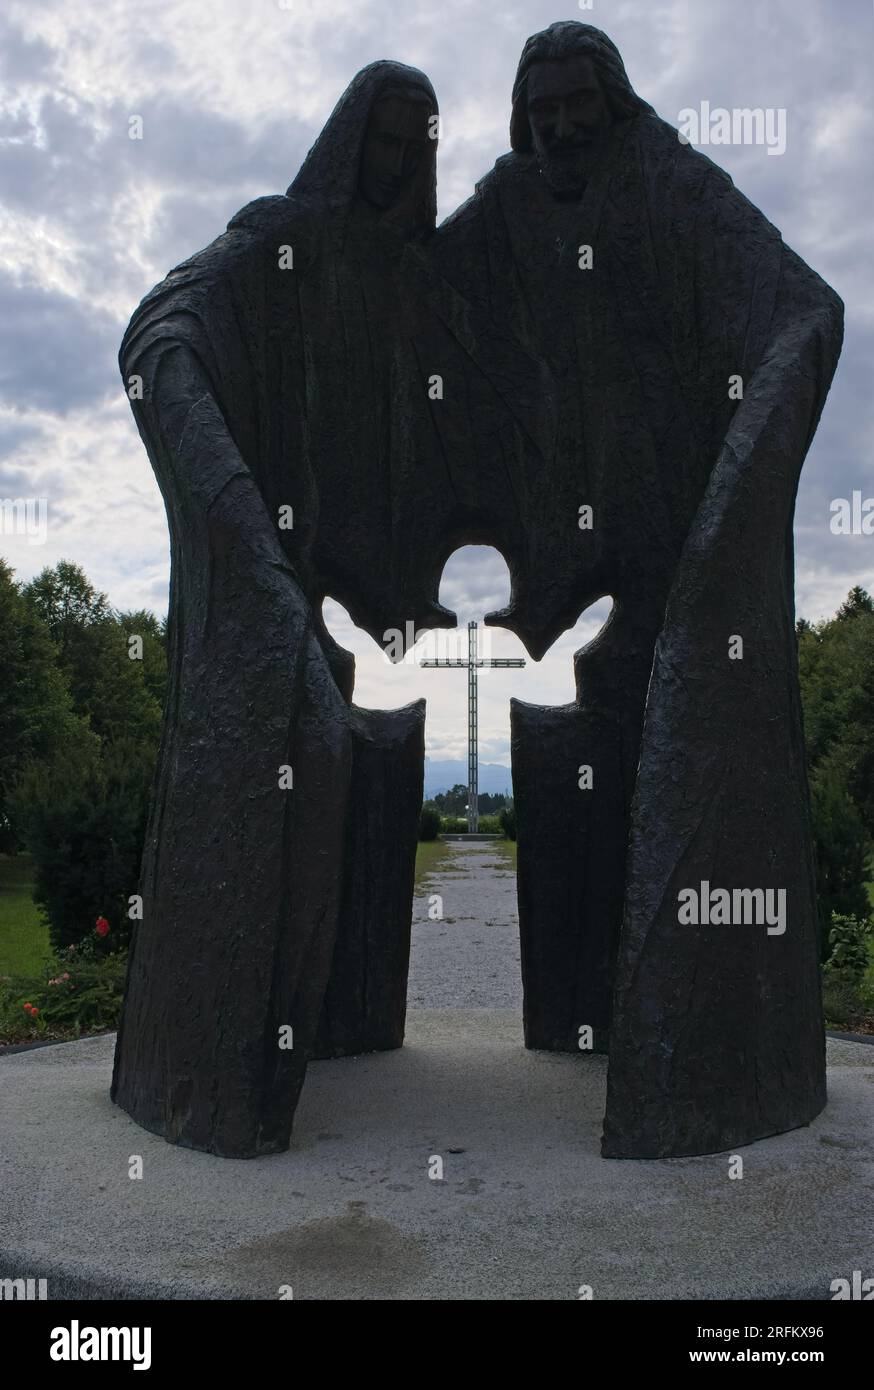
270, 381
684, 356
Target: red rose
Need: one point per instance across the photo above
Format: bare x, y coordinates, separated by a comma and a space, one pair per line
101, 926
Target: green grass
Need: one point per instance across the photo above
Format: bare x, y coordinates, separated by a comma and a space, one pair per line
506, 850
24, 936
504, 861
429, 855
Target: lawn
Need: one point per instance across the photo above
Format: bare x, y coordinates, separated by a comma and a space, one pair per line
429, 855
24, 936
506, 854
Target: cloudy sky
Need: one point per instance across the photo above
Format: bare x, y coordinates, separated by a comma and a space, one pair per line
231, 94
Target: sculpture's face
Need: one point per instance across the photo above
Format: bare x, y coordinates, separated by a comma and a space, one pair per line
395, 144
570, 120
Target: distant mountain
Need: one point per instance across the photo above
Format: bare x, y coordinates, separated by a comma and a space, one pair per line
443, 776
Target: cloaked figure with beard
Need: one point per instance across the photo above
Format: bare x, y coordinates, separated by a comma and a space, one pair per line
274, 386
664, 359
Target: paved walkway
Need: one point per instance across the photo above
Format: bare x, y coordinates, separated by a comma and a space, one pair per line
470, 958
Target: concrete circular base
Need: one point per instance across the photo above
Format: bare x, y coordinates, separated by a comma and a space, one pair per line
525, 1209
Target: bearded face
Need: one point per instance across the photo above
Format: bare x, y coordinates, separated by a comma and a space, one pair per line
570, 121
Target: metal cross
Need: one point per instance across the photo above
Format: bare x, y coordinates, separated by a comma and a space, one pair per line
472, 665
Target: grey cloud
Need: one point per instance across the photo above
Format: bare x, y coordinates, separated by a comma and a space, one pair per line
475, 580
58, 353
13, 434
204, 165
22, 59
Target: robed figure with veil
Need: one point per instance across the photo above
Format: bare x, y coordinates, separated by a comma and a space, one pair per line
275, 390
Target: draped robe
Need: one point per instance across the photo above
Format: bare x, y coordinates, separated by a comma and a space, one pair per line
620, 400
278, 868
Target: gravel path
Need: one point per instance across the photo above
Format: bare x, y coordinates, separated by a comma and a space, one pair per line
470, 958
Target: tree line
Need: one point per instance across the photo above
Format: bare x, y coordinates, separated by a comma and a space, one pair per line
82, 689
454, 802
836, 670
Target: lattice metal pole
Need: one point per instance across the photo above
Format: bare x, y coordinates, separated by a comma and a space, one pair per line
472, 727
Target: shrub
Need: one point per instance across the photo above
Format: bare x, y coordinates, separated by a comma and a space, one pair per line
429, 822
490, 825
848, 946
80, 992
454, 825
842, 849
846, 999
507, 820
83, 819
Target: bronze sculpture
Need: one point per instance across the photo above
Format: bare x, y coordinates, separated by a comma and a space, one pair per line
606, 364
